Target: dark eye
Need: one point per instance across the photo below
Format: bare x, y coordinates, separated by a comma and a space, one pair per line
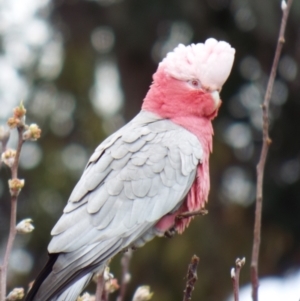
195, 83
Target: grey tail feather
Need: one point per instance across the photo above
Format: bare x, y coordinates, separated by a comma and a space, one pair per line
41, 277
72, 292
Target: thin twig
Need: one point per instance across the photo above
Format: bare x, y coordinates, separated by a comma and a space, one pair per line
105, 295
265, 147
235, 276
99, 288
191, 278
125, 274
13, 216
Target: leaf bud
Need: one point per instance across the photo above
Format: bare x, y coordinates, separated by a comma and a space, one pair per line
19, 111
13, 122
240, 262
33, 132
16, 294
111, 285
107, 275
8, 157
142, 293
232, 273
15, 186
86, 297
25, 226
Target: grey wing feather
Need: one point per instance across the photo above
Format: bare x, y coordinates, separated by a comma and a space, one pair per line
133, 179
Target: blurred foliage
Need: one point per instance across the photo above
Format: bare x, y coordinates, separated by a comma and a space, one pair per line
142, 31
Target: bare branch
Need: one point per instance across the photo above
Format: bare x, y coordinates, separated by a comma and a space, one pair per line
99, 288
13, 216
106, 284
264, 152
191, 278
125, 274
235, 276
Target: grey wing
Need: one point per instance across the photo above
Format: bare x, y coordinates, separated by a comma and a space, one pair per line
134, 178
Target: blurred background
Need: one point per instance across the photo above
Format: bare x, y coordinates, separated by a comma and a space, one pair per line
83, 69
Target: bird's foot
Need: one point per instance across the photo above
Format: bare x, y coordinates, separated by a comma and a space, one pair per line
170, 233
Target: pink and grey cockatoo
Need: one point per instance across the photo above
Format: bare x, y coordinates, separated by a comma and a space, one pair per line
144, 175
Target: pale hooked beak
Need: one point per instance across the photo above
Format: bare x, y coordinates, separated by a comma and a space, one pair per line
216, 97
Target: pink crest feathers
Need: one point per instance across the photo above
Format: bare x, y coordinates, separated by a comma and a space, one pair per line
209, 62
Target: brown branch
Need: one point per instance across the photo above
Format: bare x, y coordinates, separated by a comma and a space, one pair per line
99, 288
105, 295
125, 274
235, 276
191, 278
265, 147
13, 216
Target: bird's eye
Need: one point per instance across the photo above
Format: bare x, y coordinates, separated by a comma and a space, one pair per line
195, 83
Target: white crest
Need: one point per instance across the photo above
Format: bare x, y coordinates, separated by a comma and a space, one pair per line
210, 63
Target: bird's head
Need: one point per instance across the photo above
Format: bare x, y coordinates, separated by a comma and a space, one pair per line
189, 79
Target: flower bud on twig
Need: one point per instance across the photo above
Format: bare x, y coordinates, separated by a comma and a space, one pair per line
25, 226
16, 294
18, 119
111, 285
8, 157
86, 297
13, 122
33, 132
15, 186
232, 273
142, 293
107, 275
240, 262
19, 111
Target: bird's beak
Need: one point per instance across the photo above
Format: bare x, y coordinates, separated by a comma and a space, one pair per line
216, 98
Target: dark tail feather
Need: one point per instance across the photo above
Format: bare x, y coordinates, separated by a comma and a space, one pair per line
41, 277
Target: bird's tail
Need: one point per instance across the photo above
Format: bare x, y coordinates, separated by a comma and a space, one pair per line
41, 277
47, 286
66, 274
72, 292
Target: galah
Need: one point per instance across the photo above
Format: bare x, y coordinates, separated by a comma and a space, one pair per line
144, 175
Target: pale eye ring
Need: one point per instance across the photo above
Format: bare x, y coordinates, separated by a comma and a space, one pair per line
195, 83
